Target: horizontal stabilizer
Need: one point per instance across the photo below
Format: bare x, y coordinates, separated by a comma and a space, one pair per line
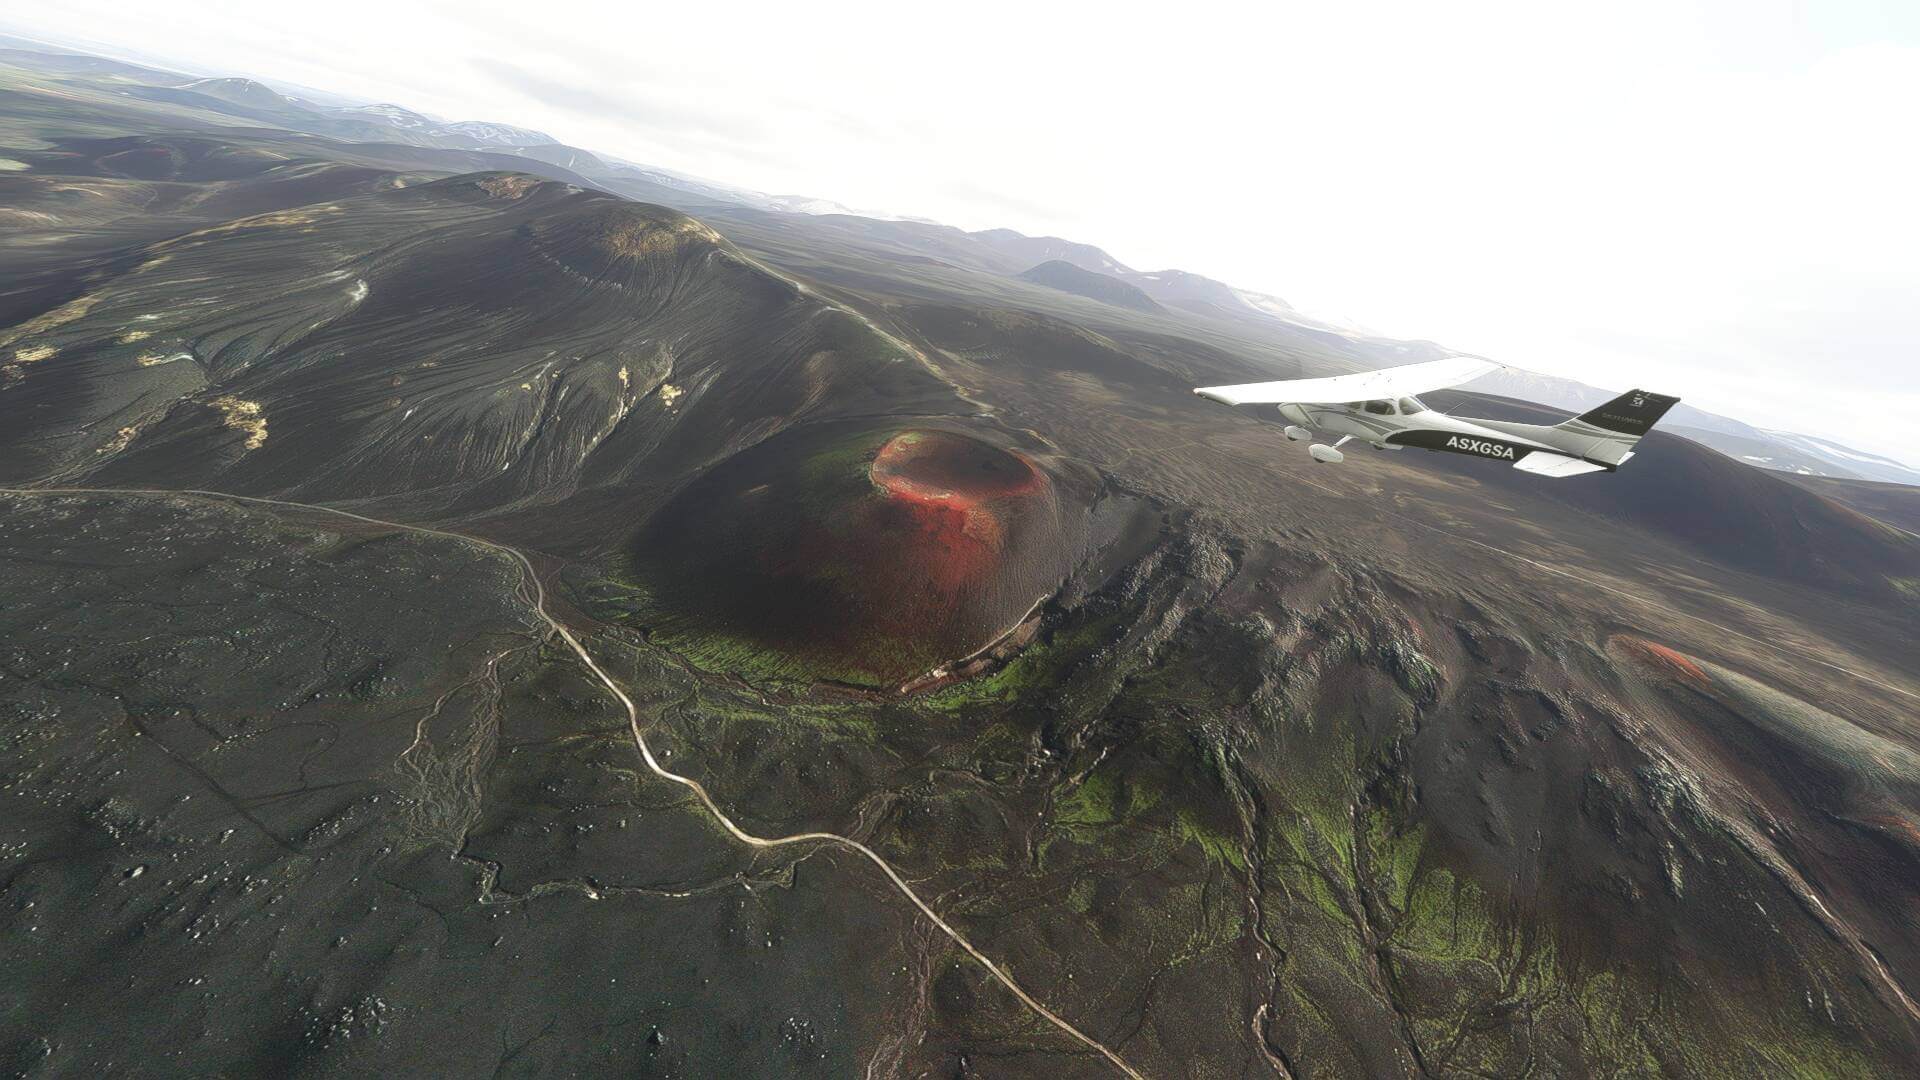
1558, 466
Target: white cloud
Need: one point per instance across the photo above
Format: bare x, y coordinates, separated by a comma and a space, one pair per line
1717, 191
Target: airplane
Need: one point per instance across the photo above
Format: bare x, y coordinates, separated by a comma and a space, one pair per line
1381, 408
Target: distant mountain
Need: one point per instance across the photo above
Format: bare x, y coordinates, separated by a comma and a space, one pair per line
261, 105
567, 157
1267, 303
468, 132
1037, 249
1897, 505
243, 92
73, 64
256, 102
1198, 293
250, 99
1835, 457
394, 115
1168, 288
491, 134
806, 204
1063, 275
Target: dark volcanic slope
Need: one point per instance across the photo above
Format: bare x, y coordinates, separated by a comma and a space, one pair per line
479, 342
370, 832
1108, 290
1752, 519
1896, 504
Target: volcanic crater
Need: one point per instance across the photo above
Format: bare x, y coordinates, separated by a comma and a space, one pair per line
858, 555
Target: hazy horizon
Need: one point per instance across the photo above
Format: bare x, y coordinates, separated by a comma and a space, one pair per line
1707, 199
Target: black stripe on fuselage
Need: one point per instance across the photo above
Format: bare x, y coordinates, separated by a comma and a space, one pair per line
1475, 446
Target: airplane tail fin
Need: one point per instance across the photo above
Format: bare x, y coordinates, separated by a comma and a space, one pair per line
1632, 413
1610, 432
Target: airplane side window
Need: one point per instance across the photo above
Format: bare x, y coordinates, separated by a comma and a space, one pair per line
1379, 408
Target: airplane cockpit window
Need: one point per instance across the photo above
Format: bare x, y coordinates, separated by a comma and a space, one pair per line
1409, 406
1379, 408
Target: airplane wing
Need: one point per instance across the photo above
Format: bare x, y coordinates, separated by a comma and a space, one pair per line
1391, 382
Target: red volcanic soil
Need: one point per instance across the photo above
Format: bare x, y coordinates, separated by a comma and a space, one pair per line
1662, 660
946, 497
869, 558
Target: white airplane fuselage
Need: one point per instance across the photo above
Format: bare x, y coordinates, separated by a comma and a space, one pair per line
1466, 436
1566, 449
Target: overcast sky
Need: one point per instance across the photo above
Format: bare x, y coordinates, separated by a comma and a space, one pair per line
1715, 199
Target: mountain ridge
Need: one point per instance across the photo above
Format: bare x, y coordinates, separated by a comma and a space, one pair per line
1067, 277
